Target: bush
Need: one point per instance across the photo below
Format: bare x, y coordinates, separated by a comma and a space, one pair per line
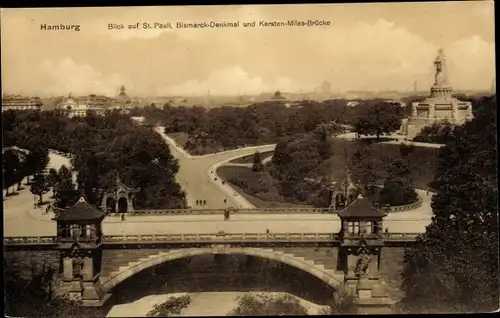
173, 306
263, 305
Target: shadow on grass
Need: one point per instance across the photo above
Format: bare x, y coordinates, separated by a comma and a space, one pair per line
374, 140
12, 194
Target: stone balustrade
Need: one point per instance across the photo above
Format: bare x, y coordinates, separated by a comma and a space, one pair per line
400, 208
29, 240
207, 238
221, 211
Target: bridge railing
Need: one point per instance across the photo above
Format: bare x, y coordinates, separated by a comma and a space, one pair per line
401, 236
29, 240
264, 237
235, 211
407, 207
208, 237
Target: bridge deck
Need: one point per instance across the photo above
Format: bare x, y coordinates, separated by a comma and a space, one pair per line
203, 239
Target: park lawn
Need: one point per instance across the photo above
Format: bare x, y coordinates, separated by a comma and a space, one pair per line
251, 178
422, 162
249, 158
180, 138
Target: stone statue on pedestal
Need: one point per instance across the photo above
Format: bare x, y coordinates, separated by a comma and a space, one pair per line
77, 268
362, 263
440, 77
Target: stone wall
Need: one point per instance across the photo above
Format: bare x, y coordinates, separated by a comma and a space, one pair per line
411, 206
391, 266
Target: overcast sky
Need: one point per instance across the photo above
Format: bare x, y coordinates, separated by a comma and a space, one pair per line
367, 46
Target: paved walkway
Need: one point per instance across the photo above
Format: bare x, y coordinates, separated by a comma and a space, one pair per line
397, 139
38, 224
19, 211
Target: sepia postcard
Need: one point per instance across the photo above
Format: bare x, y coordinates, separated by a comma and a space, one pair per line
250, 160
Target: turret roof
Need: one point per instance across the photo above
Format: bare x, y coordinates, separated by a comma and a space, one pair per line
360, 208
81, 211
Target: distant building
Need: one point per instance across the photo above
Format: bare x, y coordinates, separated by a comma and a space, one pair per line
278, 96
20, 103
99, 104
440, 106
326, 88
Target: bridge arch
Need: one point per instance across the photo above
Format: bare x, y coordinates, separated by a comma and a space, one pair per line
285, 258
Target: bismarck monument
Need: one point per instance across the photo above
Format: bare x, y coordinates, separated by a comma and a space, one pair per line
440, 107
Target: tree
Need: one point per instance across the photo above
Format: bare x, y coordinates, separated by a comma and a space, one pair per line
52, 178
453, 267
263, 305
439, 133
378, 119
65, 193
11, 168
397, 187
39, 186
36, 160
257, 162
363, 170
34, 298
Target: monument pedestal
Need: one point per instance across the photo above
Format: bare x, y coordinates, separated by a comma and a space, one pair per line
372, 298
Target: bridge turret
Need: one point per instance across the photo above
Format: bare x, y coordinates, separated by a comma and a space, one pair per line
361, 242
79, 237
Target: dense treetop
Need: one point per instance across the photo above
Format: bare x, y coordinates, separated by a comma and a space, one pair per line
103, 145
454, 266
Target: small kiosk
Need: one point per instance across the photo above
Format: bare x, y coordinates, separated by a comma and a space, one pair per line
79, 235
361, 242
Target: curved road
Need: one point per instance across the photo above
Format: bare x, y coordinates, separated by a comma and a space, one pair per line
197, 173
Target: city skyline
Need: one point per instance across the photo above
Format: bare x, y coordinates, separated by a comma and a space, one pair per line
374, 47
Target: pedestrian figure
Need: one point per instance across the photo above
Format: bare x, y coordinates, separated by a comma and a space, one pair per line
204, 202
225, 201
267, 231
197, 202
386, 231
123, 216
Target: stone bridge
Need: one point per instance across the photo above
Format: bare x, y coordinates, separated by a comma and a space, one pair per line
317, 254
360, 258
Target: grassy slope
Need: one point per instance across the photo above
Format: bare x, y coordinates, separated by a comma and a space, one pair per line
422, 162
180, 138
227, 172
249, 159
